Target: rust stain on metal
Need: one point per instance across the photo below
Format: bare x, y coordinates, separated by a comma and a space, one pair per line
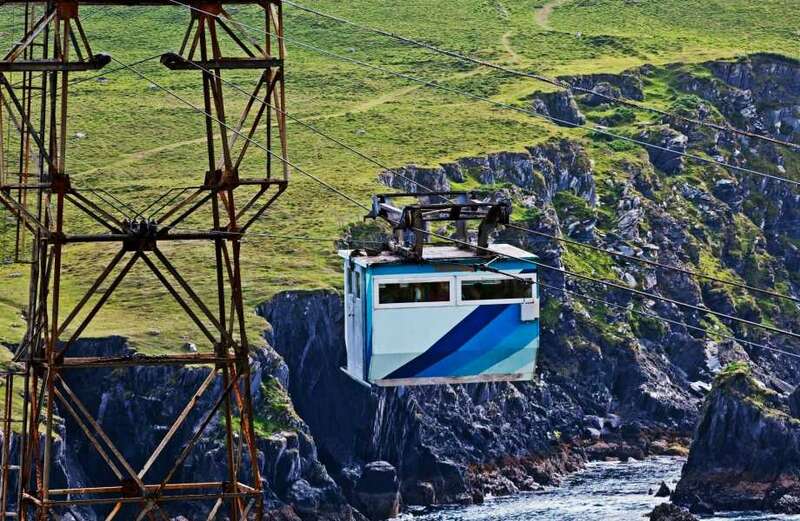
53, 46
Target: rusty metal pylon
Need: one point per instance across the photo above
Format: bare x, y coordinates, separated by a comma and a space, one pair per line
54, 46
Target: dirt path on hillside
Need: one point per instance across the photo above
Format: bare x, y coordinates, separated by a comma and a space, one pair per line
542, 15
505, 41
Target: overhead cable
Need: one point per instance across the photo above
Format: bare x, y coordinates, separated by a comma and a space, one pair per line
541, 78
515, 226
457, 241
596, 129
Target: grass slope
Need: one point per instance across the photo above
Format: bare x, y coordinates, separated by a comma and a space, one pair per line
139, 142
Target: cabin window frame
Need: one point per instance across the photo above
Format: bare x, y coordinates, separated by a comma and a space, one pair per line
496, 276
394, 279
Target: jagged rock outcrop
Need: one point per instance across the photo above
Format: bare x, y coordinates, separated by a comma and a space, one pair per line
663, 490
667, 150
759, 92
627, 85
406, 178
544, 170
746, 450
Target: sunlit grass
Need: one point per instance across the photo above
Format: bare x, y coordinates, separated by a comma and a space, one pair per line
139, 142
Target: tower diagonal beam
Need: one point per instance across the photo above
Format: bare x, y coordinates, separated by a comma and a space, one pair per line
57, 44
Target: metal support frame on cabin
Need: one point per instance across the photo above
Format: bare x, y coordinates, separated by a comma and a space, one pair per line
410, 222
54, 45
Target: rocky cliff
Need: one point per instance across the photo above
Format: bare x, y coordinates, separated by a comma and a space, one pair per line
611, 383
746, 450
297, 485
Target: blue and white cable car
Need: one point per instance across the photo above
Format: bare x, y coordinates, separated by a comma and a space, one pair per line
440, 317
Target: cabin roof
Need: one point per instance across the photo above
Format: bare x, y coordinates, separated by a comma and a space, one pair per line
435, 253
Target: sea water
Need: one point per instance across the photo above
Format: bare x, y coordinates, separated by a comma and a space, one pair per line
602, 491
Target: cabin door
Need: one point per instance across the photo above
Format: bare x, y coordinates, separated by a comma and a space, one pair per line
355, 320
358, 310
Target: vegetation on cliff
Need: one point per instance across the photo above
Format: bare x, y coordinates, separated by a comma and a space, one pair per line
131, 133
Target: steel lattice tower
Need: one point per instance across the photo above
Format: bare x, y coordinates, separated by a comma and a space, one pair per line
38, 191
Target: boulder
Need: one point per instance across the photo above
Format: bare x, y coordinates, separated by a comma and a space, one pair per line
305, 499
378, 491
728, 190
601, 94
670, 512
420, 493
786, 504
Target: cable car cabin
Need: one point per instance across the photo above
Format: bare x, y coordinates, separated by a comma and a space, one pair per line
441, 321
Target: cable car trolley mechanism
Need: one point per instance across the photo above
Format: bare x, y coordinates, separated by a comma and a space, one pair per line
420, 314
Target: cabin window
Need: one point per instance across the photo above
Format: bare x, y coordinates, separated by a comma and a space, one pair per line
496, 289
414, 292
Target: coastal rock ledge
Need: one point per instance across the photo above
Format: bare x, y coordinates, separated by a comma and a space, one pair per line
746, 450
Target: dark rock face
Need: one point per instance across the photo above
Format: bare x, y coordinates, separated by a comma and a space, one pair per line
670, 145
560, 106
627, 85
745, 451
670, 512
296, 484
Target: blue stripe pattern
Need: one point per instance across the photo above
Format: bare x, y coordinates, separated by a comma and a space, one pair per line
497, 341
451, 342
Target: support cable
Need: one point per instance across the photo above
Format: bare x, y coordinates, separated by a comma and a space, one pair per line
656, 264
310, 127
614, 285
311, 239
583, 296
620, 255
597, 129
249, 140
541, 78
707, 332
354, 201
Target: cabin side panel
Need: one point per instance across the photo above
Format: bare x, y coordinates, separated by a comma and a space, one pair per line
453, 341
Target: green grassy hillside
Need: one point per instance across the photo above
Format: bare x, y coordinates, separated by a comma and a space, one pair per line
139, 142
